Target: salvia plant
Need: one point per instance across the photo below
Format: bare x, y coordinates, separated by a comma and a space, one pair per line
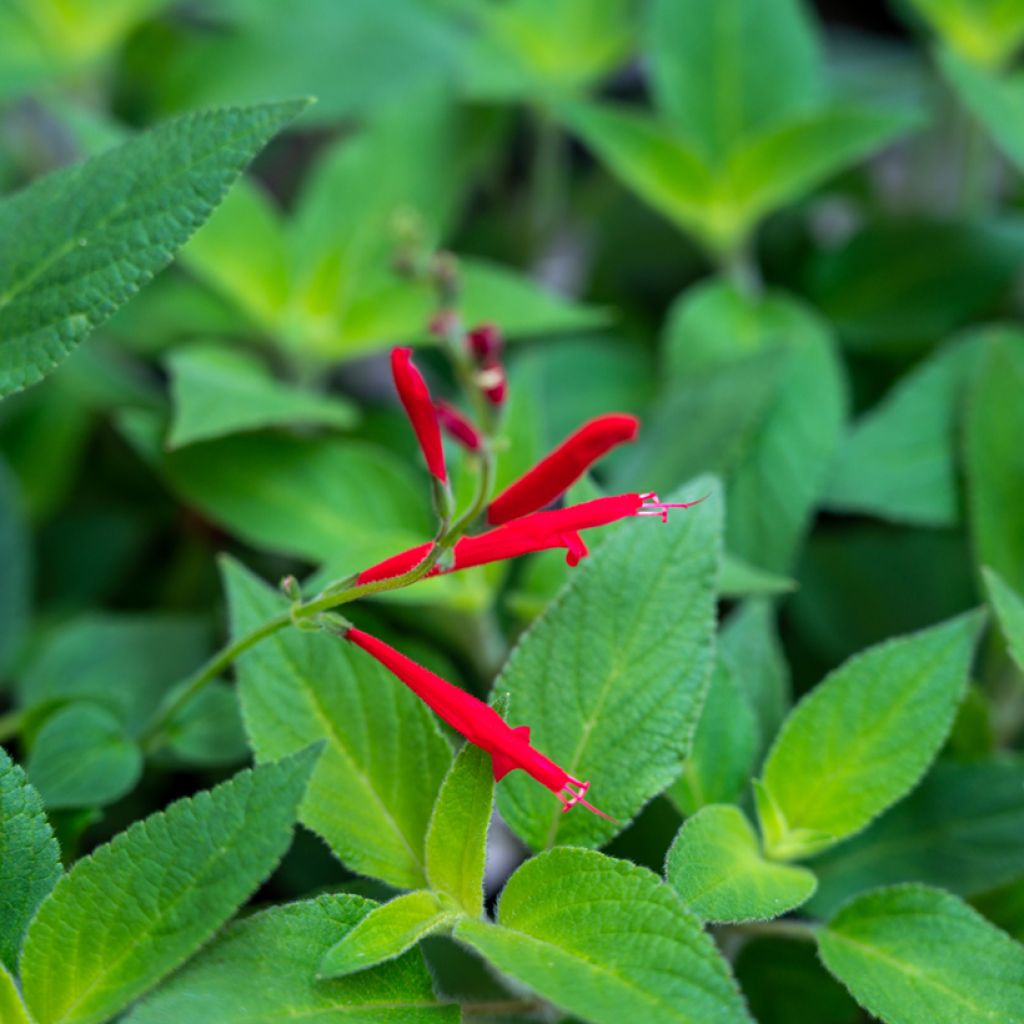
533, 534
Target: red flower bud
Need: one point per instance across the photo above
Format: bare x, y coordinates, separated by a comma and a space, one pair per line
415, 397
557, 472
493, 382
485, 343
457, 426
478, 722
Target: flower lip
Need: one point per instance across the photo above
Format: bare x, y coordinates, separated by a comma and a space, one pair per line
415, 398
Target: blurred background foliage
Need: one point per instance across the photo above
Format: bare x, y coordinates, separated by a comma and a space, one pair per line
788, 236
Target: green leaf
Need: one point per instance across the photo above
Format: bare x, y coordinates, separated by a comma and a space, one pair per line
741, 579
135, 909
910, 953
29, 858
386, 932
727, 70
749, 646
960, 829
12, 1009
996, 100
618, 709
994, 423
715, 864
457, 837
607, 941
82, 757
348, 502
208, 730
281, 948
724, 747
1008, 606
899, 460
218, 391
373, 790
125, 663
77, 261
863, 737
896, 285
986, 32
15, 557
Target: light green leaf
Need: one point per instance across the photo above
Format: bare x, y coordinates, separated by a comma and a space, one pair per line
910, 954
373, 790
12, 1009
654, 160
82, 757
457, 837
607, 941
29, 857
749, 645
1008, 606
724, 747
131, 912
996, 100
208, 729
611, 677
960, 829
862, 737
218, 985
386, 932
986, 32
994, 424
899, 460
348, 502
77, 261
218, 391
715, 864
726, 70
124, 663
790, 159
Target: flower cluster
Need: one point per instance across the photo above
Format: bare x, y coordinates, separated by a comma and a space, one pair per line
521, 523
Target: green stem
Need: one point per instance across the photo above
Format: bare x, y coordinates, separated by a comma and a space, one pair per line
10, 724
547, 176
975, 169
739, 265
800, 931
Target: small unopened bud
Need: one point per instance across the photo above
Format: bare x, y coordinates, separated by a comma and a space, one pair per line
493, 382
485, 343
446, 276
442, 323
457, 426
291, 589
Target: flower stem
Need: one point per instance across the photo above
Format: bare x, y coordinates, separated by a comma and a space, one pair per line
10, 724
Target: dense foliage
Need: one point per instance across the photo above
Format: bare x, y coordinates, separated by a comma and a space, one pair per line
789, 248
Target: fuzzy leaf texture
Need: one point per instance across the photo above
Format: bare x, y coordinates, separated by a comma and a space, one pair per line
911, 954
135, 909
29, 857
91, 235
612, 676
218, 984
864, 736
607, 941
715, 864
372, 792
12, 1009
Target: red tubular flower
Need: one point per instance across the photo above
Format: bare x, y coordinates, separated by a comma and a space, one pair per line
558, 528
557, 472
485, 343
479, 723
457, 426
415, 397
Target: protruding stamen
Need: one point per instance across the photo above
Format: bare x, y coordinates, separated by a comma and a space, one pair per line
654, 506
576, 796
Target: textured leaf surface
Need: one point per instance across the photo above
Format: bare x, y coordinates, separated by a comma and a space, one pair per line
611, 678
90, 236
960, 829
725, 70
12, 1009
725, 744
131, 912
863, 736
386, 932
1009, 608
715, 864
607, 941
82, 757
899, 460
29, 857
373, 789
457, 838
218, 984
912, 954
217, 391
994, 424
